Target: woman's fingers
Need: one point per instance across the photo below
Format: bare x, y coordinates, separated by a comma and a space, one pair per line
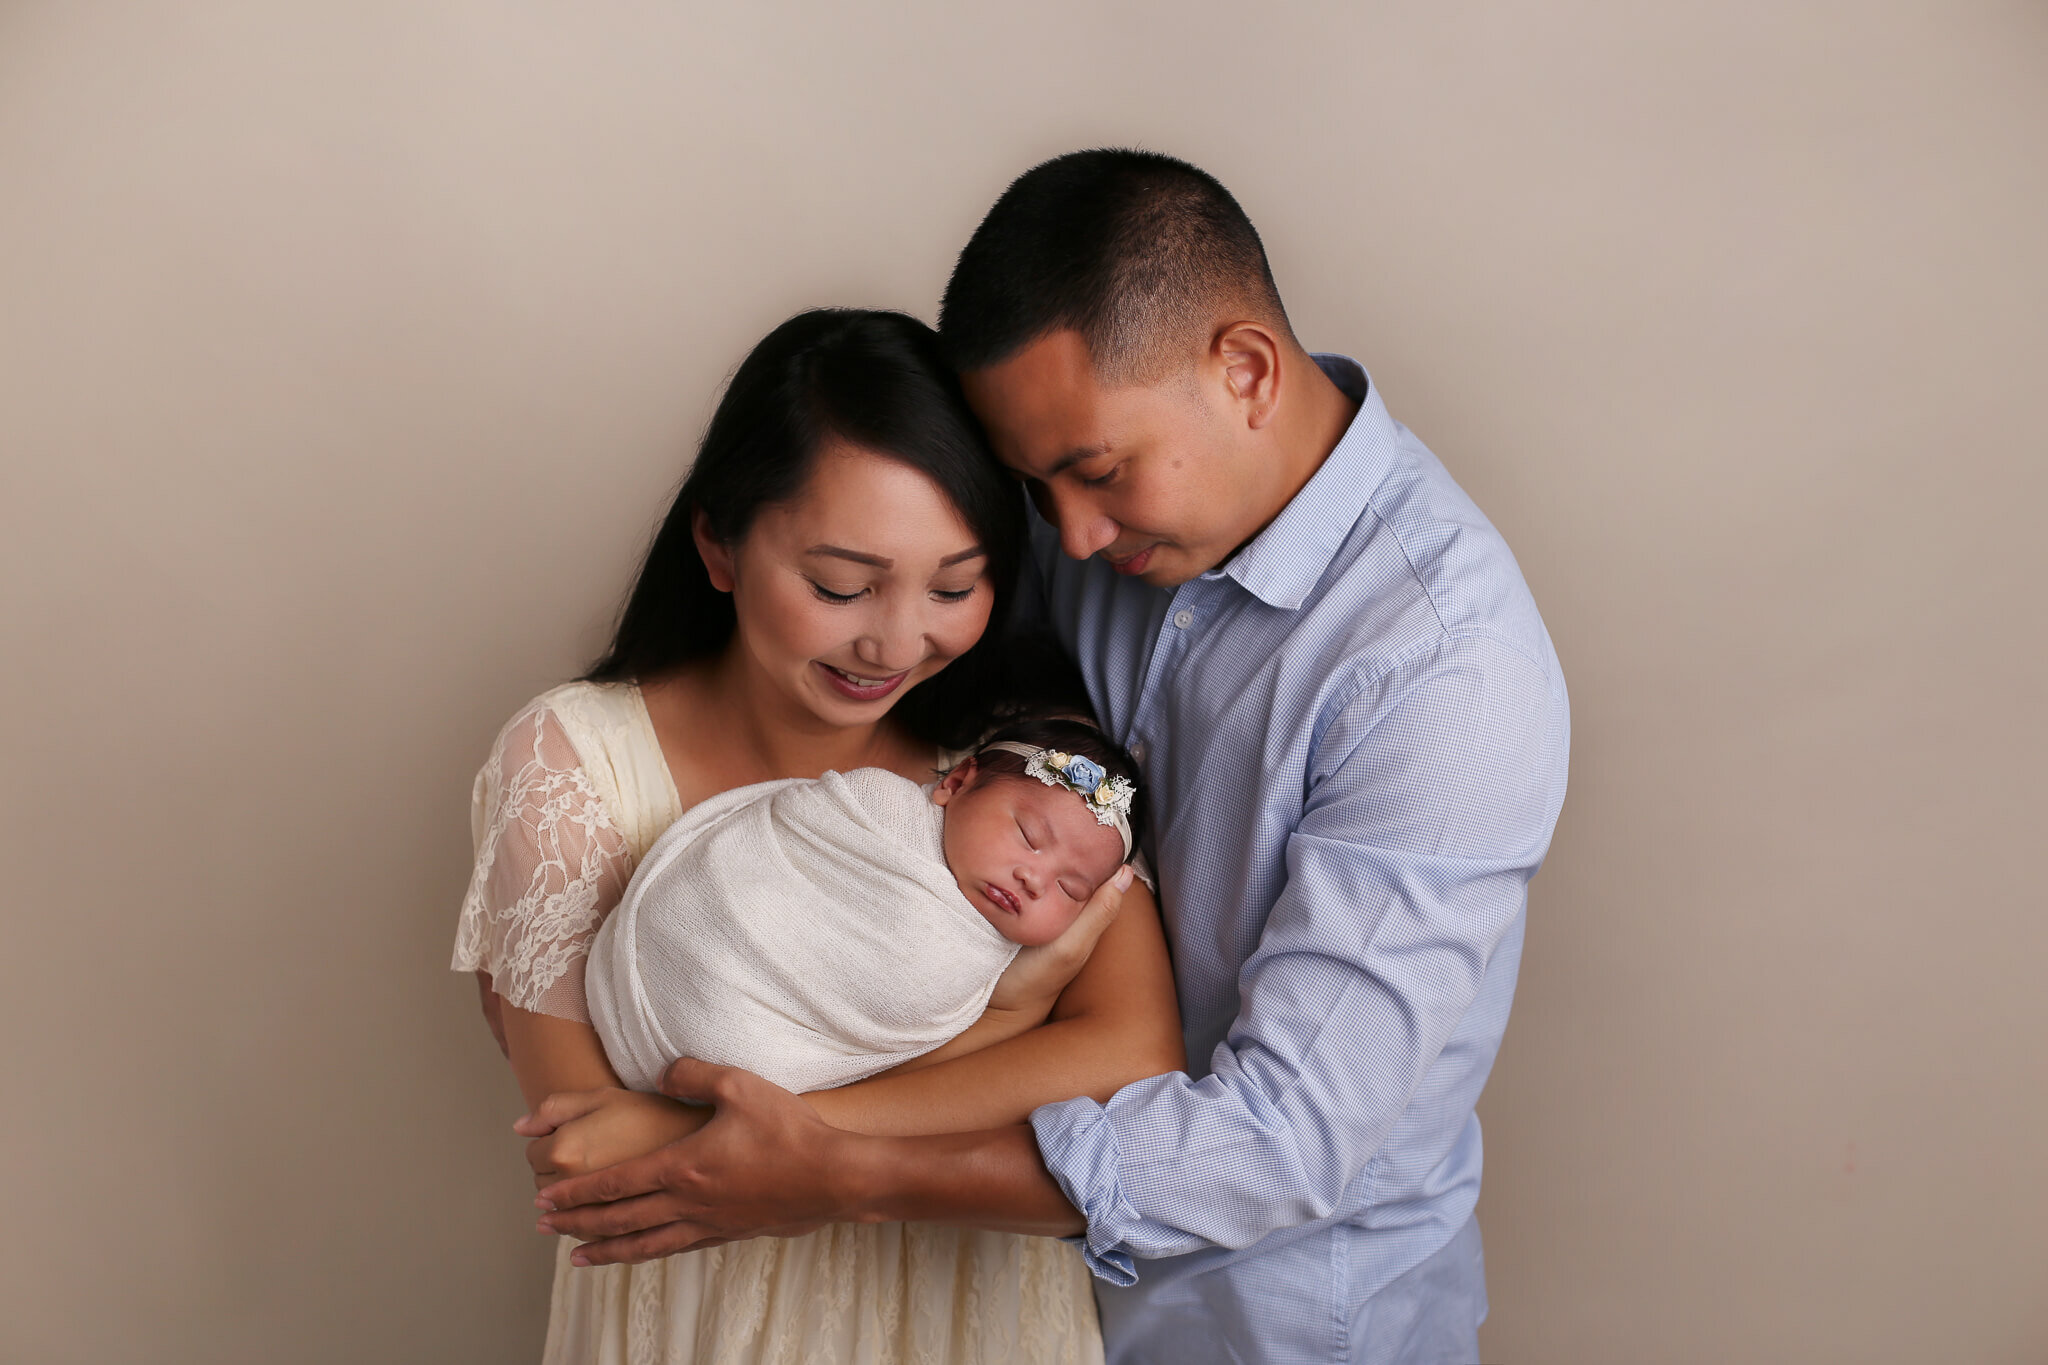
627, 1180
1036, 976
557, 1109
1096, 916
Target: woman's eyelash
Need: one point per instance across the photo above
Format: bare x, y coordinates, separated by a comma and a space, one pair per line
1106, 477
825, 594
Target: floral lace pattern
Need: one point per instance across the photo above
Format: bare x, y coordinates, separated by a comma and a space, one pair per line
550, 863
853, 1294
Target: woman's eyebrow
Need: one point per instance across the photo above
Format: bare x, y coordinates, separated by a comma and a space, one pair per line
881, 562
841, 552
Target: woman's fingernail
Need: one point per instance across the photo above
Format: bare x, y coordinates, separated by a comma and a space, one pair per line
578, 1258
542, 1226
543, 1204
1123, 877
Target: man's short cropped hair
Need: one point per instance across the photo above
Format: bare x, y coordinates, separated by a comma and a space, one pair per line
1138, 252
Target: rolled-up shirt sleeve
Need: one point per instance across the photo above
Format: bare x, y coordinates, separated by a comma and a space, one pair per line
1432, 793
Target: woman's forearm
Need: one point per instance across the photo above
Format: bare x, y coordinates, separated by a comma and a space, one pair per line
1002, 1084
551, 1056
1118, 1022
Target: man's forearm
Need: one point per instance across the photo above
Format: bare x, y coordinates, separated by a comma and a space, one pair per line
990, 1179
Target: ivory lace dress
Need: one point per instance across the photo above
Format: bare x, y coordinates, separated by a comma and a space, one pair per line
575, 791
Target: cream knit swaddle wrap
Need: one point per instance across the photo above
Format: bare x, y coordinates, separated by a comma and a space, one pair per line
808, 931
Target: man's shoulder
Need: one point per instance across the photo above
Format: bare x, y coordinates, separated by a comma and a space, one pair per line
1425, 569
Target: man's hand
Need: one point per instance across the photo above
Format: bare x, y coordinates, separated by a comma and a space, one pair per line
764, 1165
587, 1130
1035, 977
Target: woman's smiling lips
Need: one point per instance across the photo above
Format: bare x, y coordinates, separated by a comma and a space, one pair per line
860, 687
1001, 899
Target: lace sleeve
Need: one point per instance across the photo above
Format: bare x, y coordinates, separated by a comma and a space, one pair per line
550, 865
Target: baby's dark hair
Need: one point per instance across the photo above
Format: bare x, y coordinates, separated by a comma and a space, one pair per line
1071, 734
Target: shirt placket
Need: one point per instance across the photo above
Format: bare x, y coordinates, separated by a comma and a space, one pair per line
1169, 648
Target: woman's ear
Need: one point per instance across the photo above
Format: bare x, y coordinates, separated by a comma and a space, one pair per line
954, 782
717, 558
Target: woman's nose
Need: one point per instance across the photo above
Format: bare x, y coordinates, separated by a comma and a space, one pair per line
895, 644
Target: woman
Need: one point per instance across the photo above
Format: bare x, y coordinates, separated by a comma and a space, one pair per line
816, 598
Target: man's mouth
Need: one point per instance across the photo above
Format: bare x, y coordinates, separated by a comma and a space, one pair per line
1001, 899
859, 686
1133, 564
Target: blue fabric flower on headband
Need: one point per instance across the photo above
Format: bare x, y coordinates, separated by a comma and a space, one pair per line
1084, 775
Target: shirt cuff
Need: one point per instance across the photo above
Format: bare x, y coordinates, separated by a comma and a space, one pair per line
1079, 1147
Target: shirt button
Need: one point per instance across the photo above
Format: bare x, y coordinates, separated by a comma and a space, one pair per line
1138, 750
1183, 618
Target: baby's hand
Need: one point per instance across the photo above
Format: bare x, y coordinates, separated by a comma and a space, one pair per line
587, 1130
1036, 976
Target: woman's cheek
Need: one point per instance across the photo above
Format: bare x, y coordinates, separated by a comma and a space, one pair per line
979, 607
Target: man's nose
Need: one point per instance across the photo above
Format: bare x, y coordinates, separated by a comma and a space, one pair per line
1083, 530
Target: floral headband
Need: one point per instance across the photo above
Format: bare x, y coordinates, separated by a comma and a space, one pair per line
1108, 798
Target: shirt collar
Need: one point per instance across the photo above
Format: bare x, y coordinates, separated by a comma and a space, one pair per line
1283, 563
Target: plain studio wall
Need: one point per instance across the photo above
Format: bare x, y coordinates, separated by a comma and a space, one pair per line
348, 352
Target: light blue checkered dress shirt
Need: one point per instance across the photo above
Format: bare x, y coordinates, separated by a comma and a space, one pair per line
1354, 736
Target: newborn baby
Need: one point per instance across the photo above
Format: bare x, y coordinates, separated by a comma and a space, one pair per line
817, 931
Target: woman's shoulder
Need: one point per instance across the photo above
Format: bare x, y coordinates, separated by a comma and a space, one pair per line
585, 712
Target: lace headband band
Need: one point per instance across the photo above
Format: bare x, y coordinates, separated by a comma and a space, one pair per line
1108, 798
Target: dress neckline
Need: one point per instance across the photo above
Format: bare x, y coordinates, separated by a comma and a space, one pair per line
653, 743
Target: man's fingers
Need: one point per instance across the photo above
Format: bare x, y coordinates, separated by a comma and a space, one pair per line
695, 1082
669, 1239
556, 1110
621, 1219
627, 1180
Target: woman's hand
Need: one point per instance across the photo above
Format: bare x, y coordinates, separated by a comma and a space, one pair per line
588, 1130
1029, 986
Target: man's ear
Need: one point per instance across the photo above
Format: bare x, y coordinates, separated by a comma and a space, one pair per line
954, 782
1248, 357
717, 558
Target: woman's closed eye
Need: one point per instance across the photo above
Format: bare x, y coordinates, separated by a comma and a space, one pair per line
1106, 477
825, 594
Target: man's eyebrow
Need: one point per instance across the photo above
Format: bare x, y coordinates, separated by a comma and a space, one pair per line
1075, 456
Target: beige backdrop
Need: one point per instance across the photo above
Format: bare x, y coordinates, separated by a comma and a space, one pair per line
348, 351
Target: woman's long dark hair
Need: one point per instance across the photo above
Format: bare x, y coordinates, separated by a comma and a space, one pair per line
875, 380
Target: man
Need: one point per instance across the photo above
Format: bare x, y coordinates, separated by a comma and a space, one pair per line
1354, 732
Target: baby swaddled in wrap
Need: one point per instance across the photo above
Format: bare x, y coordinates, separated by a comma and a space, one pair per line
818, 931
